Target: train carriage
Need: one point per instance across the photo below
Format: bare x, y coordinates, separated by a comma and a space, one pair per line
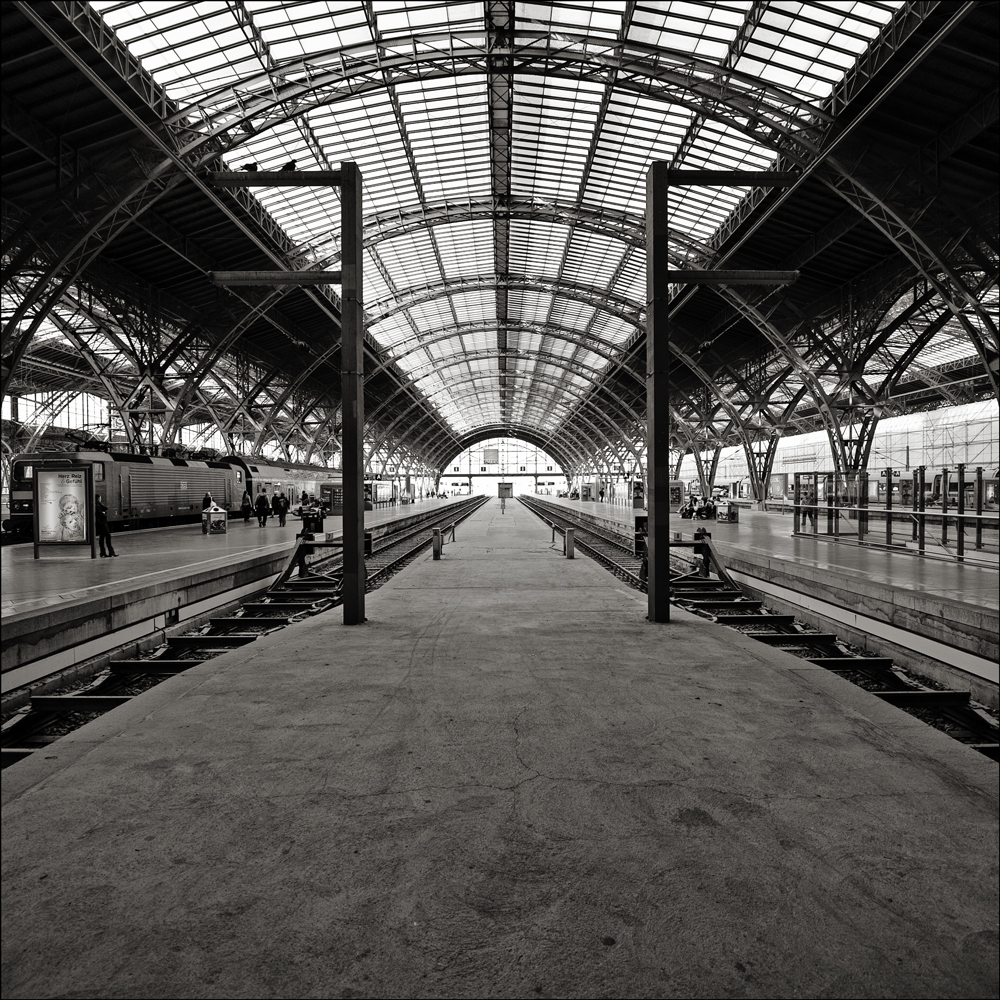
142, 491
138, 490
297, 481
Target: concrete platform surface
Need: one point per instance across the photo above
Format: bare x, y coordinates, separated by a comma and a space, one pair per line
506, 784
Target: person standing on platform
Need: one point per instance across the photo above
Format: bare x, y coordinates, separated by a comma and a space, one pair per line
263, 509
246, 506
206, 501
279, 507
103, 531
601, 495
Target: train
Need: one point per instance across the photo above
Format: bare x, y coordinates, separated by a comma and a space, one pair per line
143, 491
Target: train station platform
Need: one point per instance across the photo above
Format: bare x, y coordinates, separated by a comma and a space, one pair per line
939, 618
507, 783
66, 607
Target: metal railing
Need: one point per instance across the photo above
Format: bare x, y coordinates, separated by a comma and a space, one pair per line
837, 506
440, 536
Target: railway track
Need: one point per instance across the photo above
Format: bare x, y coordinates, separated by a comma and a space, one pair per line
310, 585
705, 589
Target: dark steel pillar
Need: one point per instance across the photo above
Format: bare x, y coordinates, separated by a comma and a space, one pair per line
352, 393
657, 393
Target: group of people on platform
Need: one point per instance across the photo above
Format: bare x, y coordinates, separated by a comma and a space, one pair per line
277, 506
699, 508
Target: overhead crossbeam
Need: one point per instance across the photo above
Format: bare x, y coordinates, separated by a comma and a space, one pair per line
275, 277
730, 178
718, 277
275, 178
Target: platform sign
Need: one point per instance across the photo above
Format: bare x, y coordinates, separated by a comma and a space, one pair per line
64, 506
332, 497
505, 491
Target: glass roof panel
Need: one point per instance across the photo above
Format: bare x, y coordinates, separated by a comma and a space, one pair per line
475, 305
466, 249
536, 248
447, 124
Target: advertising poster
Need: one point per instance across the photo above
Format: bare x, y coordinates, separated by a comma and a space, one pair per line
63, 515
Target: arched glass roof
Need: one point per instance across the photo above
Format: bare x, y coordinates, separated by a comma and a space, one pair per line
504, 148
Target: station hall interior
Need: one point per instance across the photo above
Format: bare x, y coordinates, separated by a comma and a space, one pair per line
501, 469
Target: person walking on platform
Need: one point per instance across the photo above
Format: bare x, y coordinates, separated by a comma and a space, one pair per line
810, 507
246, 506
103, 531
263, 509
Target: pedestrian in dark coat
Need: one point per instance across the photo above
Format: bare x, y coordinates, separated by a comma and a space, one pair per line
279, 507
103, 531
206, 501
246, 507
263, 509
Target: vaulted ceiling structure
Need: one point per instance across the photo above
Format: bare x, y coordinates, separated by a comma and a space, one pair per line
504, 148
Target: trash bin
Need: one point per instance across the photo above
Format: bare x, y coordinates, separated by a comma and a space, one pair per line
214, 520
312, 520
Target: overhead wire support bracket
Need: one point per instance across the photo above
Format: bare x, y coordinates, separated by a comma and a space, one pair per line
660, 276
352, 397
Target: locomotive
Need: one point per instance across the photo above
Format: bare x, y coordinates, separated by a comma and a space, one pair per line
142, 491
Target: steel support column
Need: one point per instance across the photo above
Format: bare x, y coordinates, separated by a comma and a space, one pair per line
352, 393
658, 471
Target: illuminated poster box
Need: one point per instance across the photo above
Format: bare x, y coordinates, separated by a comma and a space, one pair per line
64, 506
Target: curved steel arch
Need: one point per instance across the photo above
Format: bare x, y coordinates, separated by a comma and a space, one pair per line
628, 310
580, 456
580, 395
627, 229
566, 428
564, 431
628, 68
773, 118
436, 450
565, 364
469, 380
518, 431
902, 232
520, 434
553, 330
621, 226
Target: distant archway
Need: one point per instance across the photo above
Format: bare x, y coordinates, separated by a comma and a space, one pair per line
484, 464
